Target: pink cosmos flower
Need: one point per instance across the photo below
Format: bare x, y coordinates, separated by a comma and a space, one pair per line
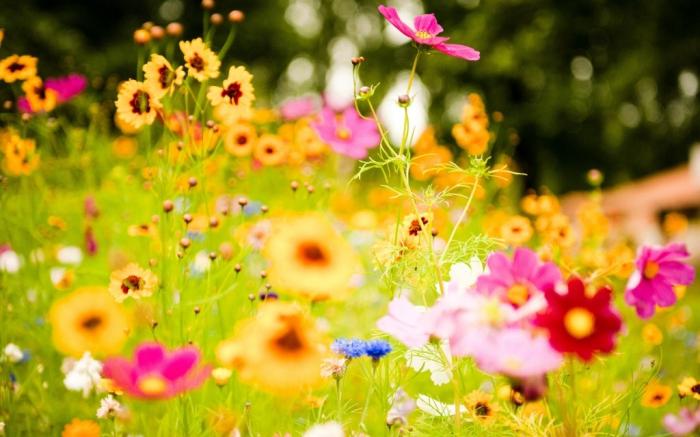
66, 87
403, 321
516, 353
425, 34
658, 270
156, 373
682, 424
347, 133
298, 108
520, 281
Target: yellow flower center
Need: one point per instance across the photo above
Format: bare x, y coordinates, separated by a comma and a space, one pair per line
579, 322
651, 269
422, 34
342, 133
152, 385
517, 294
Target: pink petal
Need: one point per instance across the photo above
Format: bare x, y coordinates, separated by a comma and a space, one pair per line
524, 263
458, 51
678, 272
180, 363
427, 23
393, 17
122, 372
664, 295
149, 356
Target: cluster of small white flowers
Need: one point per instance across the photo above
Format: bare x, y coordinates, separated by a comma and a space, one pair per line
13, 353
82, 375
110, 408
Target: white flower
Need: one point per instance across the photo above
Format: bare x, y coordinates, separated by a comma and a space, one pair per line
58, 275
109, 408
463, 276
13, 353
328, 429
434, 407
428, 358
401, 406
83, 375
333, 367
69, 255
201, 263
9, 261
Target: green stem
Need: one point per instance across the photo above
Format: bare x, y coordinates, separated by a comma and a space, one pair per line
460, 219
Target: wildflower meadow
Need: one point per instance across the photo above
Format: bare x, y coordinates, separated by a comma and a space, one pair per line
182, 255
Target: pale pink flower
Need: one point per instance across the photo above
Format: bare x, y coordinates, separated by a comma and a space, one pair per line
347, 133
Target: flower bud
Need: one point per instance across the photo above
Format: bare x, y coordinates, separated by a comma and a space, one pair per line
357, 60
157, 32
142, 37
404, 100
221, 375
168, 205
216, 19
208, 4
192, 181
236, 16
187, 218
174, 29
185, 242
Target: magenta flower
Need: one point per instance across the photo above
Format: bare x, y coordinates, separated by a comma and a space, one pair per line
156, 373
518, 281
294, 109
404, 322
658, 270
682, 424
425, 34
66, 87
347, 133
515, 353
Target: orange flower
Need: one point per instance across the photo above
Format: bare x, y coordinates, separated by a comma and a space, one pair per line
81, 428
270, 150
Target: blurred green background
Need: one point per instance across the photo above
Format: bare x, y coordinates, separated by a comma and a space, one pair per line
584, 83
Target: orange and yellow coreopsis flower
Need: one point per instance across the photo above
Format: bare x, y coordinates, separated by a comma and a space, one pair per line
17, 67
137, 103
161, 76
202, 63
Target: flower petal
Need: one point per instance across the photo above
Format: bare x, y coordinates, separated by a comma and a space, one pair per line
458, 51
393, 17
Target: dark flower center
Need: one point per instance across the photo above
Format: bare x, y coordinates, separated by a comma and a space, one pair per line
233, 92
242, 139
311, 253
695, 388
482, 409
92, 322
197, 62
165, 77
290, 341
16, 66
140, 103
41, 92
416, 226
131, 282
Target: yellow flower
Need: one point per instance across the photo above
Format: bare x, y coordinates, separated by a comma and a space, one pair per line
479, 405
279, 350
270, 150
88, 319
652, 334
308, 257
689, 387
81, 428
516, 230
236, 94
655, 395
221, 375
16, 67
307, 139
132, 281
240, 139
20, 154
137, 103
161, 76
675, 224
202, 63
40, 98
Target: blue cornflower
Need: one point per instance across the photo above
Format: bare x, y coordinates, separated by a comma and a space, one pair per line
377, 349
350, 347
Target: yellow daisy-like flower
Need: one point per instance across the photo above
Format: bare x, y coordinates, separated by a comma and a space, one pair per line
161, 76
16, 67
40, 98
202, 63
132, 281
236, 94
20, 154
656, 395
651, 334
309, 258
81, 428
270, 150
279, 350
517, 230
88, 320
137, 103
689, 387
479, 405
240, 139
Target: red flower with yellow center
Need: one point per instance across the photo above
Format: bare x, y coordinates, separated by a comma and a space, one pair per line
578, 323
